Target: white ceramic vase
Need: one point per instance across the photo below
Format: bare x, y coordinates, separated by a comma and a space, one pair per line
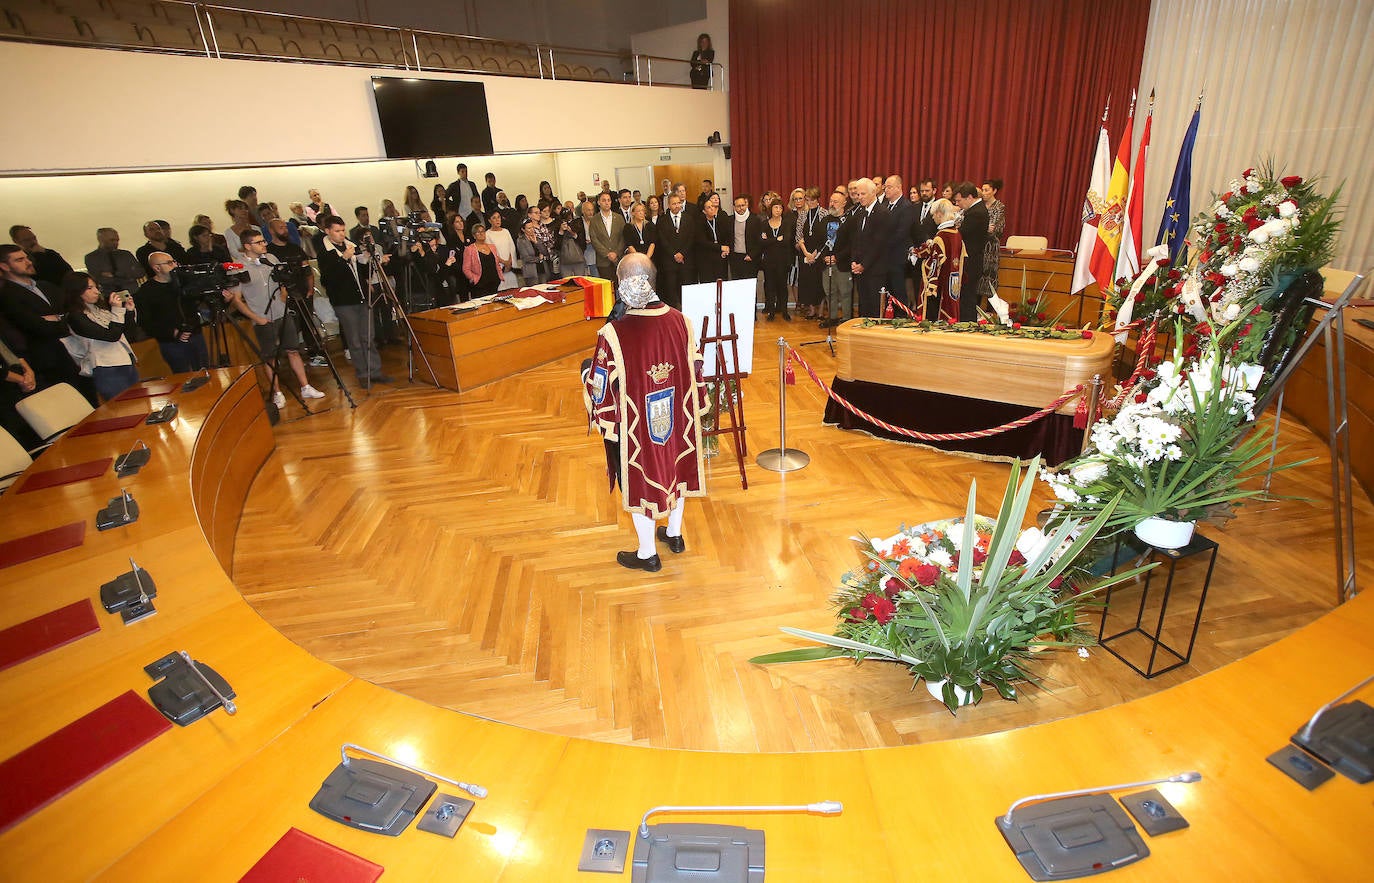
1165, 534
936, 690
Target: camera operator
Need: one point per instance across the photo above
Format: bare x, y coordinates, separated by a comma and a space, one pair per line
344, 272
262, 300
171, 317
442, 261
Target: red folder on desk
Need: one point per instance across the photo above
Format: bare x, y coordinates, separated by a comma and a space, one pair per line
46, 542
300, 858
37, 636
37, 481
109, 424
46, 770
144, 392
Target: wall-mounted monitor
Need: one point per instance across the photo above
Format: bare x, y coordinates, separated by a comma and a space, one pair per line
422, 118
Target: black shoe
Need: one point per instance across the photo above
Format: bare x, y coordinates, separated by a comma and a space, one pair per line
382, 378
771, 317
677, 545
787, 317
634, 562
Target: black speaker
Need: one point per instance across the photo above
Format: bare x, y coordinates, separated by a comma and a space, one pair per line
726, 148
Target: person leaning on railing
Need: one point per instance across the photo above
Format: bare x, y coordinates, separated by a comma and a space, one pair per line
701, 61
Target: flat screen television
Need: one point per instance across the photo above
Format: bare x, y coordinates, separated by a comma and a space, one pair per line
424, 118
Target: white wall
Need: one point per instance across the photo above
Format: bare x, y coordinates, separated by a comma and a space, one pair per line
86, 108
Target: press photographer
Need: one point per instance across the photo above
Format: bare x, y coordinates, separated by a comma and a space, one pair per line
171, 316
263, 300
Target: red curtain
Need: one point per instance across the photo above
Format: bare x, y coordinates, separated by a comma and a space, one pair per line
821, 92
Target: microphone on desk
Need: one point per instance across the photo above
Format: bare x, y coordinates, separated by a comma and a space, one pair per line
1306, 731
474, 790
1187, 777
825, 807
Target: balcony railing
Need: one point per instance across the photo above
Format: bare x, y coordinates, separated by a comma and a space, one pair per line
184, 28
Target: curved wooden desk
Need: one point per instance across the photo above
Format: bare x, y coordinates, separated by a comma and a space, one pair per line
205, 802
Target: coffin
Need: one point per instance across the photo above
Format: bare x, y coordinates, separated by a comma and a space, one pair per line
976, 366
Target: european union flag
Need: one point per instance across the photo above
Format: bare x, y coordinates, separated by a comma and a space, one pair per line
1173, 227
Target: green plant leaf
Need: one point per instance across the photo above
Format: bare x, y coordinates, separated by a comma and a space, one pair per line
801, 654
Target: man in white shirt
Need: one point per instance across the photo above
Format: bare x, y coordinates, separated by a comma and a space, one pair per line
262, 300
607, 235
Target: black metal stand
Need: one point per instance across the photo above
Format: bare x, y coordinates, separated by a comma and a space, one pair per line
1199, 545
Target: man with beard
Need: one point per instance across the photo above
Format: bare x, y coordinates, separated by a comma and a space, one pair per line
157, 241
48, 265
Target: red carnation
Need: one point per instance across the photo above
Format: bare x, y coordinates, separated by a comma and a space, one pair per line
1250, 212
893, 586
982, 321
1016, 559
1057, 582
1290, 181
1236, 242
1149, 374
1247, 173
1059, 328
1087, 335
979, 556
1141, 398
1140, 298
1226, 197
857, 614
926, 575
1175, 275
1016, 326
1257, 310
1040, 316
1220, 227
883, 611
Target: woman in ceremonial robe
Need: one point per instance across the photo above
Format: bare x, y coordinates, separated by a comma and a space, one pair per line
940, 264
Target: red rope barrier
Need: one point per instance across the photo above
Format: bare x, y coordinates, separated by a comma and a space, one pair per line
934, 436
1145, 348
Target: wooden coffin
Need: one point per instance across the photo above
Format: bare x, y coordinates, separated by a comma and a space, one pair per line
977, 366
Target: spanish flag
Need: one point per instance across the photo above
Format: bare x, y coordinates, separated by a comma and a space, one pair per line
1103, 264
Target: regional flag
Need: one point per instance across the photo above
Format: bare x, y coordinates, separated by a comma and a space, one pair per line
1108, 242
1173, 227
1092, 206
1128, 258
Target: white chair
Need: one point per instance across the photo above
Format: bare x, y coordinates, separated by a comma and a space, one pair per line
1028, 243
1336, 281
54, 410
13, 459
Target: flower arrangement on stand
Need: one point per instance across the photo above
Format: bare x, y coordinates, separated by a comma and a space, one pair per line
1182, 448
963, 603
1183, 444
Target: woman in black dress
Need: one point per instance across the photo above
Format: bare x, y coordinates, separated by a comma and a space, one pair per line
640, 236
439, 204
701, 62
778, 252
812, 236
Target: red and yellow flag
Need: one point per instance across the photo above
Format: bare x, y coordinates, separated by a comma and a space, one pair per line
1103, 263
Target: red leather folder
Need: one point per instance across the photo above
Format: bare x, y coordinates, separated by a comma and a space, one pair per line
36, 545
300, 858
46, 770
66, 475
144, 392
109, 424
37, 636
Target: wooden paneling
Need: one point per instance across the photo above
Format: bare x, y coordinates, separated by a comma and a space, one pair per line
1306, 395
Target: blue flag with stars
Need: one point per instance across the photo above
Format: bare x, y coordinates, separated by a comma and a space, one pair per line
1173, 227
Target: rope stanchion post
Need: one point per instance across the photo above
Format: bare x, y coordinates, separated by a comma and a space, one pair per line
781, 459
1094, 396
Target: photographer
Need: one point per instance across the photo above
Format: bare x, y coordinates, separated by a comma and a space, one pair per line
97, 342
261, 300
171, 317
441, 258
344, 272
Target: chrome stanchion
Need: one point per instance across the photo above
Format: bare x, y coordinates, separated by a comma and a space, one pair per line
1094, 394
781, 459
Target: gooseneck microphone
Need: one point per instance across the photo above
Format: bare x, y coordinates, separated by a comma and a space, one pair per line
825, 808
1188, 777
474, 790
1306, 732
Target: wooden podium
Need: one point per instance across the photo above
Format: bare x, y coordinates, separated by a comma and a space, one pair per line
468, 348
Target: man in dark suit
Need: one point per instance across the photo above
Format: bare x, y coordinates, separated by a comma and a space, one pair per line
973, 229
459, 194
746, 232
903, 215
35, 310
674, 254
872, 235
712, 243
48, 265
925, 228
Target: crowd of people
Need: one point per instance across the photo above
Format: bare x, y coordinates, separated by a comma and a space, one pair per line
827, 257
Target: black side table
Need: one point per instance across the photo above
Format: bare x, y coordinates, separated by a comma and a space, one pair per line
1168, 558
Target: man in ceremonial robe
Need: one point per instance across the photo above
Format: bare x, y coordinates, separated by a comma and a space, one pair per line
644, 391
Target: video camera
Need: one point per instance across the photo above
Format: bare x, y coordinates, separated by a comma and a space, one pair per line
294, 275
201, 286
408, 230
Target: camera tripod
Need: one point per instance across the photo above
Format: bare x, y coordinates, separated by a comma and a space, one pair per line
384, 296
299, 307
219, 340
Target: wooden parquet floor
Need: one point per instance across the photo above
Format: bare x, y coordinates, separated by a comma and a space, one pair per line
460, 549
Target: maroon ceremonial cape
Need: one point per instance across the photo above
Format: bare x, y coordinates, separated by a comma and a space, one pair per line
644, 391
940, 272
